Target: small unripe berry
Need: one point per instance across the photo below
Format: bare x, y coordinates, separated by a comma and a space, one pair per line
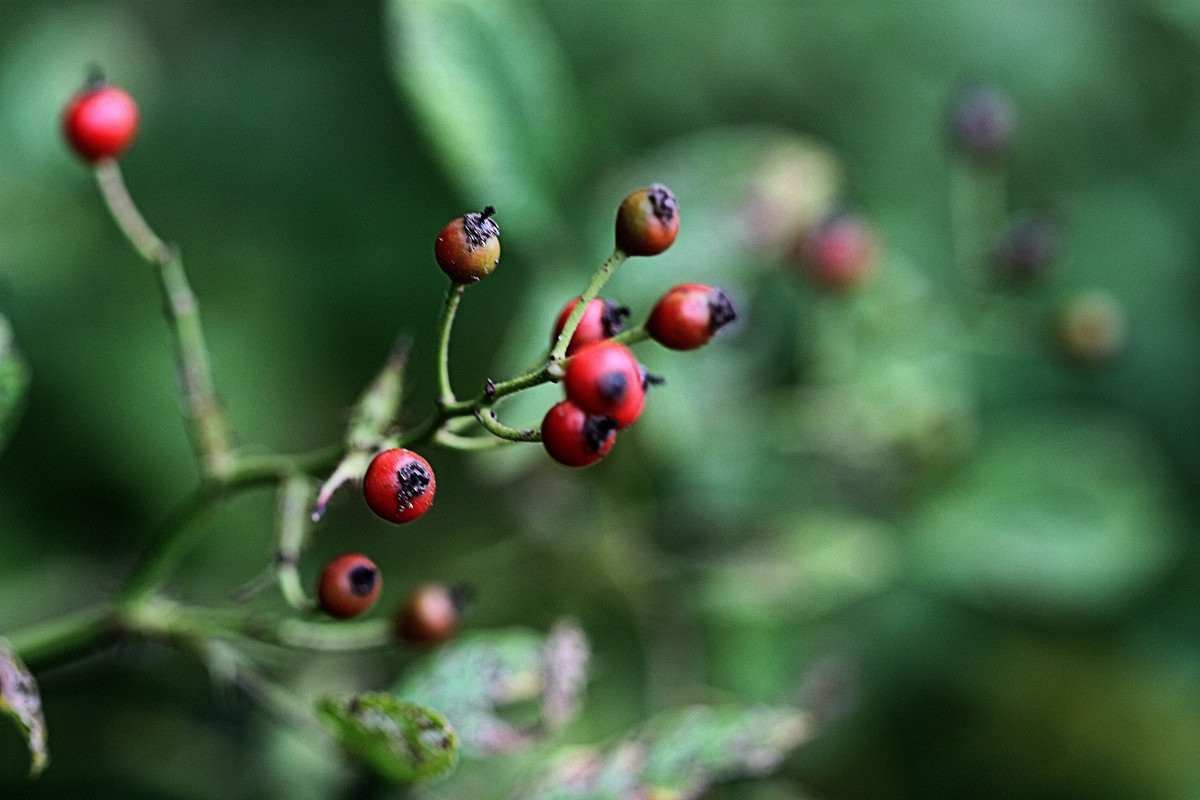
1091, 328
605, 379
603, 319
100, 122
1028, 247
574, 438
840, 252
983, 123
349, 585
468, 248
399, 485
647, 221
430, 614
687, 316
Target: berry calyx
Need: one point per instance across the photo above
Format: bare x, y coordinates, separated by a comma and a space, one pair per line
468, 248
688, 315
100, 122
399, 485
983, 123
349, 585
605, 379
603, 319
840, 252
430, 615
575, 438
647, 221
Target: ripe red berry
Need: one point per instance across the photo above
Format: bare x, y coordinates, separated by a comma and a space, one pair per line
574, 438
399, 485
601, 320
468, 248
430, 614
647, 221
605, 379
348, 586
840, 253
100, 122
687, 316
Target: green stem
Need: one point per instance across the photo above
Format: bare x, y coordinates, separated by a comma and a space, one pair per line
64, 638
328, 637
445, 325
209, 429
487, 418
456, 441
593, 288
295, 495
632, 336
171, 541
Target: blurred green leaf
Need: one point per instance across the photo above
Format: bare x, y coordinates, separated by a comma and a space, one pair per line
20, 700
14, 380
472, 680
401, 741
679, 756
495, 96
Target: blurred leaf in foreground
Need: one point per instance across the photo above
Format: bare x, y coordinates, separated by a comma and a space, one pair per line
473, 680
679, 756
401, 741
19, 699
14, 379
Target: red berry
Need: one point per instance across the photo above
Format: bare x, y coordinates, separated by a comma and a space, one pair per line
399, 485
603, 319
430, 614
687, 316
349, 586
100, 122
468, 248
574, 438
647, 221
605, 379
840, 252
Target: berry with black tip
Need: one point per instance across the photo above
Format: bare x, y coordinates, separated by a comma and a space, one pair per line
575, 438
430, 614
399, 485
647, 221
468, 248
349, 585
100, 121
688, 315
605, 379
603, 319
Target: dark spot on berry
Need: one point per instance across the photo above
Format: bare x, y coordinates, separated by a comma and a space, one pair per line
413, 480
479, 228
596, 431
612, 319
720, 311
612, 386
362, 580
662, 202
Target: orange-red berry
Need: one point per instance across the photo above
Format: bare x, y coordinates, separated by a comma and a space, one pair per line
430, 614
100, 122
468, 248
687, 316
575, 438
606, 380
399, 485
349, 585
647, 221
602, 319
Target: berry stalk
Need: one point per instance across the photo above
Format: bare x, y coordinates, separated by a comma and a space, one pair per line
593, 288
445, 326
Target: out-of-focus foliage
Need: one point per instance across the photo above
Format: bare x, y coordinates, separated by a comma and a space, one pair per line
986, 550
401, 741
14, 379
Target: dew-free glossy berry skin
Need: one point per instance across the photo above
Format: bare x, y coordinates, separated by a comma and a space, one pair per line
647, 221
468, 248
399, 485
349, 585
840, 253
687, 316
430, 615
100, 122
603, 319
574, 438
983, 123
605, 380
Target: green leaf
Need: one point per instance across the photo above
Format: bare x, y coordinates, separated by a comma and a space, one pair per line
14, 380
401, 741
493, 91
19, 699
473, 680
